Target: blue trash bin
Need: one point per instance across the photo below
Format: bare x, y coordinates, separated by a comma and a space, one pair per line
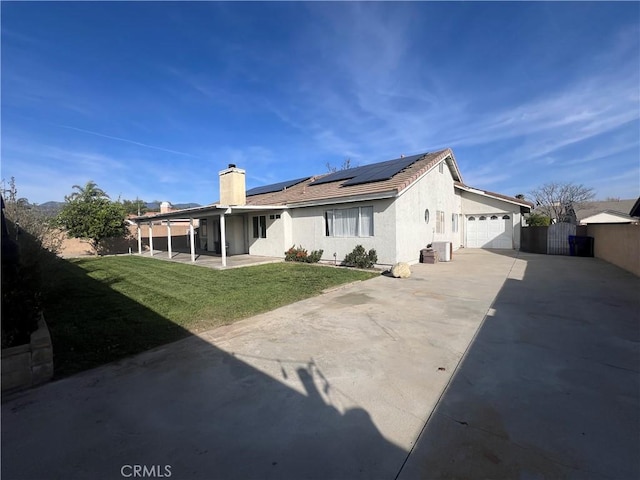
572, 245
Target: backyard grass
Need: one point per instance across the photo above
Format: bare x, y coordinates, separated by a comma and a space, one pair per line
103, 309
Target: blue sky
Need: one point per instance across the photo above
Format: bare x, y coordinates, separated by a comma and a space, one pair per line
152, 99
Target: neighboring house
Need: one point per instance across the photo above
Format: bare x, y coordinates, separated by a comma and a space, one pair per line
610, 211
396, 207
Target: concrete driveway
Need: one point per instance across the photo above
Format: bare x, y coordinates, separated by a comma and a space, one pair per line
368, 381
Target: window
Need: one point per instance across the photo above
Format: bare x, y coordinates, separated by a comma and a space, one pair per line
506, 217
472, 219
441, 167
260, 226
454, 222
493, 217
482, 217
203, 227
439, 221
349, 222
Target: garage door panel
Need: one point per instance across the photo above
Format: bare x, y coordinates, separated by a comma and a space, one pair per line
490, 231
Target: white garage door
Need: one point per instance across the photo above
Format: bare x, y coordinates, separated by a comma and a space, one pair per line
490, 231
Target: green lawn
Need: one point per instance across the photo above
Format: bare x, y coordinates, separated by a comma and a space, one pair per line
103, 309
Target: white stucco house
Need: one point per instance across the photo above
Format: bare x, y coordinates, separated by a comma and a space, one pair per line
396, 207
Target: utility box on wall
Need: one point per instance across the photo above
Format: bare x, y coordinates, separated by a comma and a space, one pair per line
444, 249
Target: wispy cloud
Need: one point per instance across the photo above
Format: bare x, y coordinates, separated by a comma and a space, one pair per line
119, 139
381, 105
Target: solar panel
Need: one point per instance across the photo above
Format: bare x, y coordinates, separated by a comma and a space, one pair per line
369, 173
339, 175
275, 187
383, 170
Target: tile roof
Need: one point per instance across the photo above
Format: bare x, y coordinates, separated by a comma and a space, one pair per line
305, 192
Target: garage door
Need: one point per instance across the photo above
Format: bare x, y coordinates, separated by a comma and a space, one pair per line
490, 231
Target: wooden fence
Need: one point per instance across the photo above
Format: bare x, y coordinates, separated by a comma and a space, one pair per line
552, 240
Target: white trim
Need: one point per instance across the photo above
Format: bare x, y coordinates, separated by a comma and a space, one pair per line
192, 241
485, 194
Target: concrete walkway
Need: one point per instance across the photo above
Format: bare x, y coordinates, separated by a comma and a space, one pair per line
550, 386
342, 385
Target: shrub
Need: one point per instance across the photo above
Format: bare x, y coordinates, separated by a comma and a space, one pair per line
538, 220
299, 254
360, 258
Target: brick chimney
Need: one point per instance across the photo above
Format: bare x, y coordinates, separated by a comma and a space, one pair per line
232, 186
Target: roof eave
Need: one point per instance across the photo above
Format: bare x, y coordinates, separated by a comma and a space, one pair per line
486, 194
346, 199
199, 212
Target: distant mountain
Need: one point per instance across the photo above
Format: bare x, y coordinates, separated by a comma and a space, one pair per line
50, 208
186, 205
53, 208
155, 206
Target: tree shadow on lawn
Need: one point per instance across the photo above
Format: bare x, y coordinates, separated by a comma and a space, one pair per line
187, 406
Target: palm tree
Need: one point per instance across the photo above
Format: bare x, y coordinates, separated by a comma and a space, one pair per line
87, 193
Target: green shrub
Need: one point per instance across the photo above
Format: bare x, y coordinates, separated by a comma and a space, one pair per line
315, 256
538, 220
300, 254
360, 258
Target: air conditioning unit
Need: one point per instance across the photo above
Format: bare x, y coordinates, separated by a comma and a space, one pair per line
444, 250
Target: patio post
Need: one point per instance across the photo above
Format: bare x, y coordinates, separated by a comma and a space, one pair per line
139, 239
223, 240
169, 237
192, 240
151, 238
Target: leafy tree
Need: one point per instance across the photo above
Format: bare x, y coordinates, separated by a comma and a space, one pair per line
559, 201
134, 207
90, 215
538, 220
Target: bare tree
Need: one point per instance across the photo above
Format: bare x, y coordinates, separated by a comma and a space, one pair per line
346, 164
28, 219
559, 201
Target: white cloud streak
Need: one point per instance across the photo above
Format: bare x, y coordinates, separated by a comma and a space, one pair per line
140, 144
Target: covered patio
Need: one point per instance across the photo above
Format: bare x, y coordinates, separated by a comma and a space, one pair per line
211, 260
203, 251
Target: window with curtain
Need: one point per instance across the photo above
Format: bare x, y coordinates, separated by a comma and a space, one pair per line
349, 222
260, 226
